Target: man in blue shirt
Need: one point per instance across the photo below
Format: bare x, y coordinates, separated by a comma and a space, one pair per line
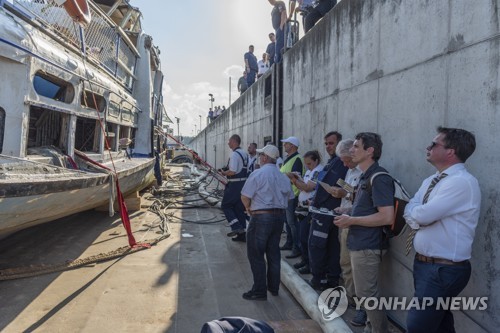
251, 65
271, 48
265, 197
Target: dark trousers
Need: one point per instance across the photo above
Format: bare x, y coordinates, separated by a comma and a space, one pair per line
435, 280
324, 250
292, 229
233, 207
251, 77
263, 237
280, 43
316, 13
304, 228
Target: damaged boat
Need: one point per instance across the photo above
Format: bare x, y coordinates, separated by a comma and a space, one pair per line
80, 104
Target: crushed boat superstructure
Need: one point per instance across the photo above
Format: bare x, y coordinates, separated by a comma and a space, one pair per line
70, 90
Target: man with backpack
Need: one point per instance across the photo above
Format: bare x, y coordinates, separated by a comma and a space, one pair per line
373, 208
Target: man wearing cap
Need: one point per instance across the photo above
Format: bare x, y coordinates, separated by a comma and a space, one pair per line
236, 173
293, 163
265, 197
324, 245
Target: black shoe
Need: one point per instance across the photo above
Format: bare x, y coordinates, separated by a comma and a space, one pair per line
285, 247
274, 293
359, 318
294, 254
317, 286
305, 270
252, 296
300, 264
235, 232
240, 238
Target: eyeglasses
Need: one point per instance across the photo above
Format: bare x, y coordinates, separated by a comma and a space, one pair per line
434, 144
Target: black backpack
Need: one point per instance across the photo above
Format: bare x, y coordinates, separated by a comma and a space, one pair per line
401, 198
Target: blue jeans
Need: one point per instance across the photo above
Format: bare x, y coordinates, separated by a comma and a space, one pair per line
292, 226
263, 237
436, 280
251, 77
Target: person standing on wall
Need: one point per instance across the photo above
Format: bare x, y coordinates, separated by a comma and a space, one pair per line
251, 66
236, 173
278, 17
265, 197
443, 215
271, 49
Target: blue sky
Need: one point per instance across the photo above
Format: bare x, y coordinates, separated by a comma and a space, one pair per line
202, 44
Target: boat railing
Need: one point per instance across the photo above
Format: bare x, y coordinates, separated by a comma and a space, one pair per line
105, 42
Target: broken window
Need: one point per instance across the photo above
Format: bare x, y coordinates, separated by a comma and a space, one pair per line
53, 87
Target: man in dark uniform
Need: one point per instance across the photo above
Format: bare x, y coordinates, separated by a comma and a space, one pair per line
316, 13
251, 66
236, 173
324, 246
278, 17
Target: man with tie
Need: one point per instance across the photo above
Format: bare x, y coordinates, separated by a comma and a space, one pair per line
443, 216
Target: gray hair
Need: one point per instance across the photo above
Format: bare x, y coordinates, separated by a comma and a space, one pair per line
343, 147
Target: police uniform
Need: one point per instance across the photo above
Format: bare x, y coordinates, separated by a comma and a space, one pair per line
324, 246
231, 201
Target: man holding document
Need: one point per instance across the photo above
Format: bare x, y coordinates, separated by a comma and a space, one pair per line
324, 246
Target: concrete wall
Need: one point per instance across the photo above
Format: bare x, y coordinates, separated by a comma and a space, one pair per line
399, 68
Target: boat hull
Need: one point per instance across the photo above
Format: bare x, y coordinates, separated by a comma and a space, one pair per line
24, 205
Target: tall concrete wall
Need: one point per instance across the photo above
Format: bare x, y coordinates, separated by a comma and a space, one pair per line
399, 68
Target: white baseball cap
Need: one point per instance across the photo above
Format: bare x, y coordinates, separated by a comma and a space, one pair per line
269, 150
293, 140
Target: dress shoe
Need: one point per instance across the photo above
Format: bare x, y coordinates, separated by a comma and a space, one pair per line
233, 233
285, 247
359, 318
305, 270
252, 296
240, 238
274, 293
300, 264
294, 254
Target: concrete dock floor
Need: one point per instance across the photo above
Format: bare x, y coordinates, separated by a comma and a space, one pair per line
194, 276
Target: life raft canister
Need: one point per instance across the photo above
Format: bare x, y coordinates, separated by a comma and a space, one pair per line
78, 10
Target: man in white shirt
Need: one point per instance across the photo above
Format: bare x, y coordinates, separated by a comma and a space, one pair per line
263, 65
236, 173
444, 213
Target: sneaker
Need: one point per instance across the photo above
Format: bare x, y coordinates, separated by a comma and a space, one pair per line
359, 318
274, 293
300, 264
317, 286
253, 296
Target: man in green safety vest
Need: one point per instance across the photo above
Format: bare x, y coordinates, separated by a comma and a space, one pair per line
293, 163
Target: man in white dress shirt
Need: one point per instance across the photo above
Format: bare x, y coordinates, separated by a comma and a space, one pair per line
444, 213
